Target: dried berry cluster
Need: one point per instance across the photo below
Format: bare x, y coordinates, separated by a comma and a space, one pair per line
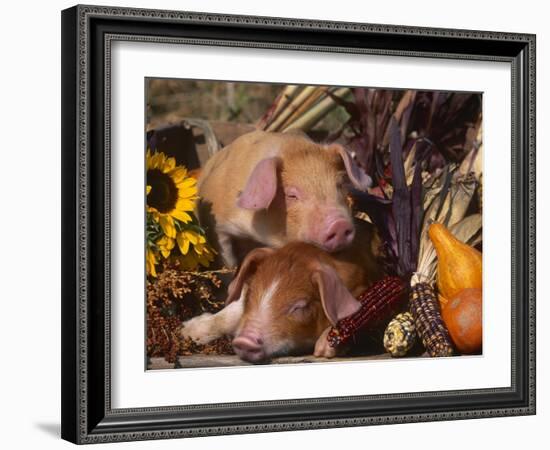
176, 296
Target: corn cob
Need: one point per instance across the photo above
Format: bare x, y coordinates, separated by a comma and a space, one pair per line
426, 312
378, 302
400, 335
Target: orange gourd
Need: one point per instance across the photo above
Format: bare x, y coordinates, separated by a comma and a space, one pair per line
463, 317
459, 266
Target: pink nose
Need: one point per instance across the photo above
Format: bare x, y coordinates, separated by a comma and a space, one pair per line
249, 347
338, 234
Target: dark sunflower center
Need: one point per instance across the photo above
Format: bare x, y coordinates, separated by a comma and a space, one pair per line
164, 193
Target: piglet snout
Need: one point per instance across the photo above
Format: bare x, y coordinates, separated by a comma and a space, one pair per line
338, 234
249, 347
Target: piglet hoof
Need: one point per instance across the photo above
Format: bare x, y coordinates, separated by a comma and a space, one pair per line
323, 348
199, 329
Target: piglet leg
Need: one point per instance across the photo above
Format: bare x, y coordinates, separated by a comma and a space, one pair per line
226, 248
207, 327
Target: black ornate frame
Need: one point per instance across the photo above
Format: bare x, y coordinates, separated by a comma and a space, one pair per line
87, 33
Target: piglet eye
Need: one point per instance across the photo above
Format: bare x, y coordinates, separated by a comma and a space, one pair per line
299, 308
292, 194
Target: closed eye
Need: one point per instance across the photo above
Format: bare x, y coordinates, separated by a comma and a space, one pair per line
292, 193
299, 309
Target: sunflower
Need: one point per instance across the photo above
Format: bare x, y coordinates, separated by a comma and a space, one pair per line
171, 225
171, 193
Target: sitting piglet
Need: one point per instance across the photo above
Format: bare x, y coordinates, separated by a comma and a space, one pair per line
268, 189
283, 301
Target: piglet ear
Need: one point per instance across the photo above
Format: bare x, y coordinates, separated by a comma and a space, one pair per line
245, 271
355, 173
336, 298
261, 186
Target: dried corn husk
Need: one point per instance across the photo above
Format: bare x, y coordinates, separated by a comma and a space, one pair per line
401, 116
408, 164
310, 118
292, 106
278, 106
317, 95
472, 163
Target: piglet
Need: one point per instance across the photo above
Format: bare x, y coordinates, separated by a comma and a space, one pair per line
268, 189
284, 301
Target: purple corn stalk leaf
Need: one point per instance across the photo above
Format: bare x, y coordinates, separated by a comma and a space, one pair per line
416, 211
401, 203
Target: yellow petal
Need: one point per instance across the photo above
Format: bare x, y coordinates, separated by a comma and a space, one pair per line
161, 160
187, 192
150, 262
183, 243
191, 236
166, 243
187, 183
155, 159
181, 216
168, 165
185, 205
148, 189
178, 175
167, 225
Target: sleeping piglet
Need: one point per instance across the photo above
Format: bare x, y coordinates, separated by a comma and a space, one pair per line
268, 189
283, 301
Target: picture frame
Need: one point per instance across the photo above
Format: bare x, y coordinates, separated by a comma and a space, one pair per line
87, 35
